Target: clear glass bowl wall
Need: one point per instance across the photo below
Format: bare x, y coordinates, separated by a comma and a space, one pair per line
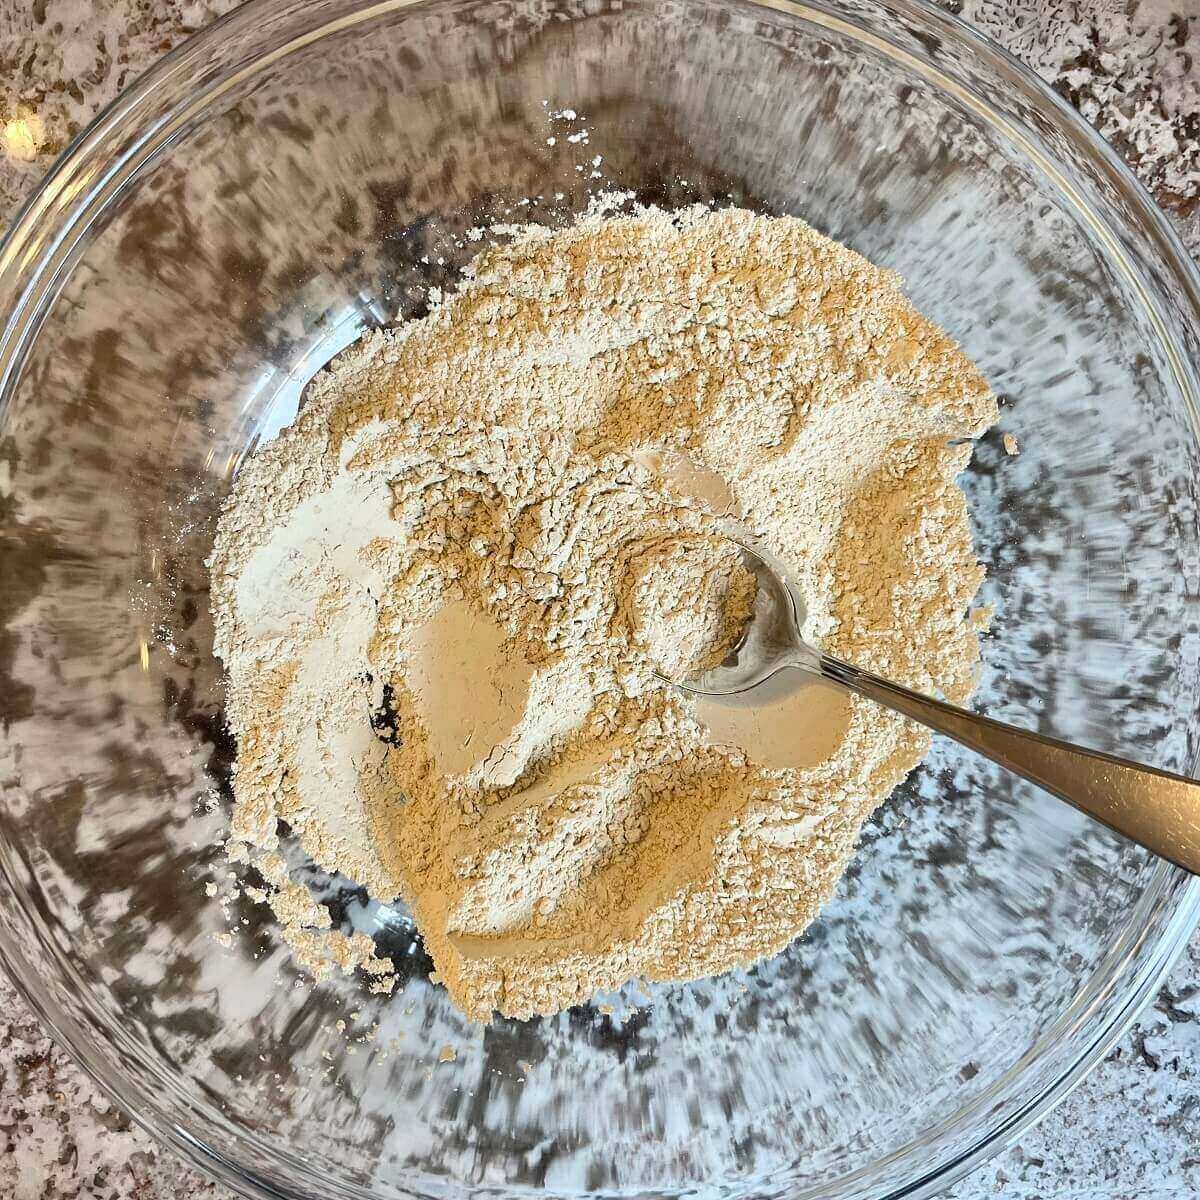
295, 176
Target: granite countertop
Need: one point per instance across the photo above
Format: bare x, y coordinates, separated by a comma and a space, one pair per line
1131, 67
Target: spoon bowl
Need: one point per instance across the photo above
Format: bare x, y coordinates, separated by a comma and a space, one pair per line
770, 642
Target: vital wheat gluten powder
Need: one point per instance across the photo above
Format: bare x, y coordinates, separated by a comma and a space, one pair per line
446, 597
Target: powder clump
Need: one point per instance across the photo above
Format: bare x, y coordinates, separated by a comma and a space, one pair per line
447, 597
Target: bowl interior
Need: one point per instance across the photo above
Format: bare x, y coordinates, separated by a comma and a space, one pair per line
986, 941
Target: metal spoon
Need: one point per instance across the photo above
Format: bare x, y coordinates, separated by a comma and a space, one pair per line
1158, 810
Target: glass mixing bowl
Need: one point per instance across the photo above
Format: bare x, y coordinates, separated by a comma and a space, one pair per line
303, 171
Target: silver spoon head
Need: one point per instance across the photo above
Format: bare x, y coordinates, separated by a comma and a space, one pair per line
770, 639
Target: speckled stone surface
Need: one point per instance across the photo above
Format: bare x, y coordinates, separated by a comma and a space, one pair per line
1133, 1128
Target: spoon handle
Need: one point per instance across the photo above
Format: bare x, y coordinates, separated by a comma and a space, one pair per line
1159, 810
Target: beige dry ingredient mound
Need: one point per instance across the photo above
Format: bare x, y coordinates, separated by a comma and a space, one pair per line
442, 597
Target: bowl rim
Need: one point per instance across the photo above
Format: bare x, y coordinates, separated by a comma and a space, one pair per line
40, 248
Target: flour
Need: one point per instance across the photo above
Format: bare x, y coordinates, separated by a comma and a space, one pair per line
447, 595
